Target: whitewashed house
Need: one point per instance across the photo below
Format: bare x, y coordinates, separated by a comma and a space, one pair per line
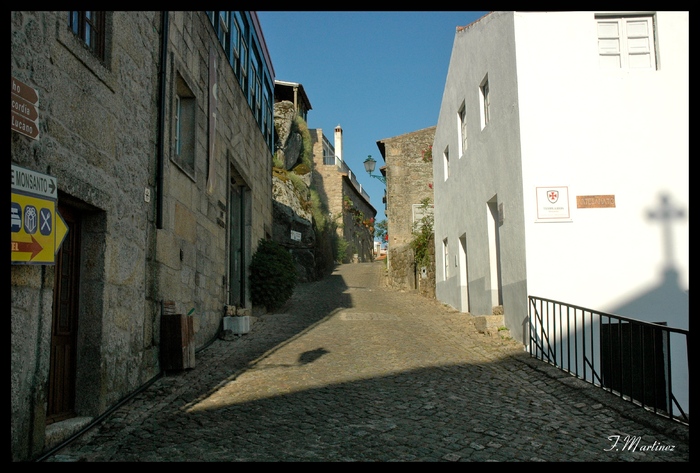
560, 162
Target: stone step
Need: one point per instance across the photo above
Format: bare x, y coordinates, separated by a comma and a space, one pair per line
491, 325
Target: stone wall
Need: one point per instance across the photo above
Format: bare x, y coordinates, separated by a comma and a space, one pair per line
357, 213
409, 181
403, 274
98, 125
326, 178
335, 190
293, 226
193, 246
99, 137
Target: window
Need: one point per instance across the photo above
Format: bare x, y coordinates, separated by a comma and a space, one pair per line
184, 133
223, 30
446, 162
255, 85
485, 100
235, 55
446, 260
89, 26
462, 129
243, 77
626, 42
267, 115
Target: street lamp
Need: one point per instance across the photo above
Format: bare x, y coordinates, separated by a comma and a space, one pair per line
369, 167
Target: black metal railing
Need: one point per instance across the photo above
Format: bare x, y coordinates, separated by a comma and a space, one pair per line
642, 362
344, 168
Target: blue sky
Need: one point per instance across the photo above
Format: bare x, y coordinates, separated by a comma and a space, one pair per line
377, 74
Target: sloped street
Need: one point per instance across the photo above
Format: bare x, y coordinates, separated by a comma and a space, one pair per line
351, 370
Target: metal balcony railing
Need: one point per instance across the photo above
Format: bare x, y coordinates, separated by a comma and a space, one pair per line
343, 168
641, 362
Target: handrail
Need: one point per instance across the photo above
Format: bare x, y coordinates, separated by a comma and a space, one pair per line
628, 357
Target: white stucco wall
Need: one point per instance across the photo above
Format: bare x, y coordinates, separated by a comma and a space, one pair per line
603, 132
559, 120
489, 170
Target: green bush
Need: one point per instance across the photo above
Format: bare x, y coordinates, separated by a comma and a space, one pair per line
272, 275
423, 235
341, 248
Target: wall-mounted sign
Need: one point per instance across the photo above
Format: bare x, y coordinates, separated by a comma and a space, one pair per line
37, 229
552, 203
24, 116
595, 201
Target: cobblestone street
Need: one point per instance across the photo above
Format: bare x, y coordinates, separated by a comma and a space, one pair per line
351, 370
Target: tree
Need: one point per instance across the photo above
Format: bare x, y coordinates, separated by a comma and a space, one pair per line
380, 229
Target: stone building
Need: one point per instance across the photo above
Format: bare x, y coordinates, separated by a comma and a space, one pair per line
409, 198
157, 130
347, 202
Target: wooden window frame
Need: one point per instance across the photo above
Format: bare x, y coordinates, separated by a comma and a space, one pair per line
89, 26
625, 39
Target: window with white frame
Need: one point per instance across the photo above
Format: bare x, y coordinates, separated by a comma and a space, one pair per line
255, 84
485, 101
446, 162
223, 30
626, 42
267, 114
243, 50
462, 129
235, 56
446, 260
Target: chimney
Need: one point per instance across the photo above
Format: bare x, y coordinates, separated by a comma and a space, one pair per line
338, 142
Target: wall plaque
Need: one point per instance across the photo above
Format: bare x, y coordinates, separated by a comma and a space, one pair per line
553, 204
595, 201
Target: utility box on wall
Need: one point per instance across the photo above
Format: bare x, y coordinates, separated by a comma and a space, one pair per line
239, 325
176, 342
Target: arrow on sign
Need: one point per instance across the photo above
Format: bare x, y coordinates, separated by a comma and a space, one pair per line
32, 247
61, 231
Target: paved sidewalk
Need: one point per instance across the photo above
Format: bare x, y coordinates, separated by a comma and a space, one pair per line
353, 371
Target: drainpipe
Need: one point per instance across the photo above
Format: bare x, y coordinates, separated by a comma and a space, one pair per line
161, 118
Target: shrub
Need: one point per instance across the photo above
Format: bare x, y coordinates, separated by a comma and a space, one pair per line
341, 248
423, 235
272, 275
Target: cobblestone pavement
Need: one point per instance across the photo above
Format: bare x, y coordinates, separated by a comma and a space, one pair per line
353, 371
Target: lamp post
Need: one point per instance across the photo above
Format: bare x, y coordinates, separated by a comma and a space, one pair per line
370, 162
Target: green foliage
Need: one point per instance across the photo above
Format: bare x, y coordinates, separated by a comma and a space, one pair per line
423, 235
277, 160
300, 186
303, 130
341, 248
318, 210
381, 229
301, 169
273, 276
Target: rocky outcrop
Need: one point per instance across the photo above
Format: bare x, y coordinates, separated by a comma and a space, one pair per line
293, 223
289, 143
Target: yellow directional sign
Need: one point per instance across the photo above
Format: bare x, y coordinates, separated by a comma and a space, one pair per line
37, 229
60, 232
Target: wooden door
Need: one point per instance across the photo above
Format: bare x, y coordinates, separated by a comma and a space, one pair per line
64, 329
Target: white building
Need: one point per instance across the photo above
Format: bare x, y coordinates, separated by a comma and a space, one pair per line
561, 166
